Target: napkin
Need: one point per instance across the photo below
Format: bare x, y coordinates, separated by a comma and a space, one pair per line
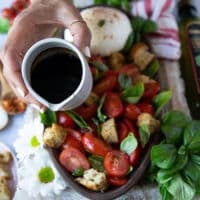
165, 42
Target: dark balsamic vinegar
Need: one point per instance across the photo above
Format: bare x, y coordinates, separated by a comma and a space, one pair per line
56, 74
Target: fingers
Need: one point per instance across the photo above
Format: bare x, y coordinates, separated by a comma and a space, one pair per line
81, 36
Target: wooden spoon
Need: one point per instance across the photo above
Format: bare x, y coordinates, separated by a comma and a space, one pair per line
9, 101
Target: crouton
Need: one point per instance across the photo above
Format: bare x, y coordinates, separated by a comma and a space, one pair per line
116, 60
147, 119
109, 132
4, 173
92, 99
141, 56
5, 157
93, 180
54, 136
5, 193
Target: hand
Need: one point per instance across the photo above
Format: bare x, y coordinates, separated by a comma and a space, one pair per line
37, 22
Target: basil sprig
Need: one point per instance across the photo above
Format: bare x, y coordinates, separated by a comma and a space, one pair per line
124, 80
176, 160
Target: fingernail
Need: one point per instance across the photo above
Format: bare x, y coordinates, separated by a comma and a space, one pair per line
20, 91
35, 106
68, 36
86, 51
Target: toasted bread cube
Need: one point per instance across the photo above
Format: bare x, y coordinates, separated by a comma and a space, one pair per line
5, 157
54, 136
109, 132
92, 99
5, 193
4, 173
116, 60
141, 56
93, 180
147, 119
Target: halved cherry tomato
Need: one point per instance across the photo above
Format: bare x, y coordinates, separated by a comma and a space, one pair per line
9, 13
129, 69
18, 5
135, 157
131, 127
151, 89
122, 130
95, 145
113, 106
72, 142
97, 58
116, 163
117, 181
131, 111
106, 84
87, 112
65, 120
146, 107
74, 133
72, 159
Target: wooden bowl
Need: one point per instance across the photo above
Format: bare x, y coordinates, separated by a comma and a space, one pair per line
111, 193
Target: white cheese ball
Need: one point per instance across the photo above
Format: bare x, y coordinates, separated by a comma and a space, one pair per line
110, 29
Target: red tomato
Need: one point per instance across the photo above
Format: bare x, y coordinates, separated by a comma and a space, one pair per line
122, 130
113, 106
131, 112
131, 127
76, 134
151, 89
116, 163
129, 69
9, 13
135, 157
87, 112
18, 5
73, 159
65, 120
95, 145
97, 58
117, 181
146, 107
106, 84
73, 142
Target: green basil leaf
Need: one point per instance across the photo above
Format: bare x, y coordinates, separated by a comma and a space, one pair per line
149, 26
78, 172
124, 80
125, 5
129, 144
191, 136
100, 1
48, 117
79, 120
133, 94
152, 69
144, 134
137, 23
163, 155
101, 117
114, 2
160, 100
4, 25
129, 43
98, 125
97, 162
173, 124
165, 175
100, 66
192, 171
195, 159
180, 190
165, 194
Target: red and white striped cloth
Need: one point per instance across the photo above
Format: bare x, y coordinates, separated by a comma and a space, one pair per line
165, 42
